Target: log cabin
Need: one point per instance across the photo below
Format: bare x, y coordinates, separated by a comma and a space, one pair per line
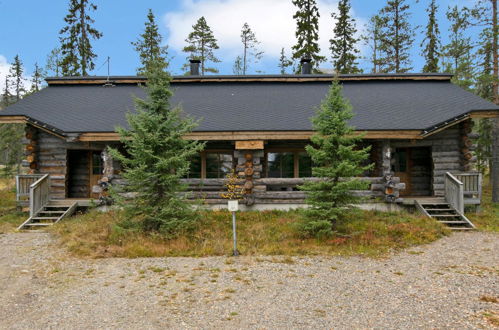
419, 127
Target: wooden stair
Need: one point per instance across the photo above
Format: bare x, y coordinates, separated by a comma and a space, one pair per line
51, 213
444, 213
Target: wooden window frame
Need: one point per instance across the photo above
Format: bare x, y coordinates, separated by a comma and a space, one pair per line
296, 160
217, 151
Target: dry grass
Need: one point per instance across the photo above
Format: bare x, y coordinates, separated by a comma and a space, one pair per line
259, 233
10, 218
488, 217
492, 317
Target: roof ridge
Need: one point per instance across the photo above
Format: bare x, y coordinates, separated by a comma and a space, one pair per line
250, 78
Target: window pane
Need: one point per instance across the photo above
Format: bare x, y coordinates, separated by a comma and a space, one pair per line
304, 165
218, 165
97, 167
280, 165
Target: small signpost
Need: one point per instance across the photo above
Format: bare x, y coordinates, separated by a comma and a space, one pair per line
233, 206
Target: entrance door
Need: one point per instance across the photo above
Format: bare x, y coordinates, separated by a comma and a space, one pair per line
84, 171
401, 169
414, 167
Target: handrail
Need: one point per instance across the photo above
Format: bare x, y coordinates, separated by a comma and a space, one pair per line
39, 194
454, 194
472, 184
23, 183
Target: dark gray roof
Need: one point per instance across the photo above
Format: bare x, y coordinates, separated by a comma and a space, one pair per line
256, 106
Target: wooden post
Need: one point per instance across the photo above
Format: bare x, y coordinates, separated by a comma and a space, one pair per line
391, 191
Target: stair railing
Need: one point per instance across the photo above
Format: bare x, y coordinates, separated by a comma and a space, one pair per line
39, 194
23, 182
454, 193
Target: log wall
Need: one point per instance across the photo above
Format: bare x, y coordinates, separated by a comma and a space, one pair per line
447, 152
50, 157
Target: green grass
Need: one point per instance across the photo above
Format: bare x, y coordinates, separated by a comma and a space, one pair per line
488, 217
368, 233
10, 218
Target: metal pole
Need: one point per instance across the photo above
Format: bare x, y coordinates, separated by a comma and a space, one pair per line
236, 253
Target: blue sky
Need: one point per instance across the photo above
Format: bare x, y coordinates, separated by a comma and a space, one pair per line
30, 28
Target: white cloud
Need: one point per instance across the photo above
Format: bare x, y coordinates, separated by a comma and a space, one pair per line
272, 22
4, 71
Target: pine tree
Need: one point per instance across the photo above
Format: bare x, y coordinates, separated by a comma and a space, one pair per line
484, 88
237, 68
36, 79
53, 63
344, 44
397, 37
457, 53
156, 157
16, 74
76, 49
202, 43
335, 153
284, 62
250, 51
373, 40
149, 45
307, 32
431, 42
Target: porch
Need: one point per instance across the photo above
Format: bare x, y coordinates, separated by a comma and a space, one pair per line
32, 190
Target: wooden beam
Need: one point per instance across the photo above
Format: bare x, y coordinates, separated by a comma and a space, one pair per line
485, 114
261, 135
12, 119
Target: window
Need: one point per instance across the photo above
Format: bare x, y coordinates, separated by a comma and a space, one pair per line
288, 164
97, 164
218, 164
280, 165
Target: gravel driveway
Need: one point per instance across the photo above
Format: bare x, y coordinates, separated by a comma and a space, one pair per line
433, 286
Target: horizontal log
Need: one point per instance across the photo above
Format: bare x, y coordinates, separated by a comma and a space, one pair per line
447, 166
445, 159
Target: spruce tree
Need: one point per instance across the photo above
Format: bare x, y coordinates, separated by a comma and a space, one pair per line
36, 79
397, 37
53, 63
457, 53
372, 38
149, 45
16, 75
6, 94
344, 44
201, 44
307, 32
284, 62
431, 42
250, 51
337, 161
76, 49
155, 157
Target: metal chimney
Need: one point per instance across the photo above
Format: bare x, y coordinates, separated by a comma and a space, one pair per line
195, 67
306, 65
